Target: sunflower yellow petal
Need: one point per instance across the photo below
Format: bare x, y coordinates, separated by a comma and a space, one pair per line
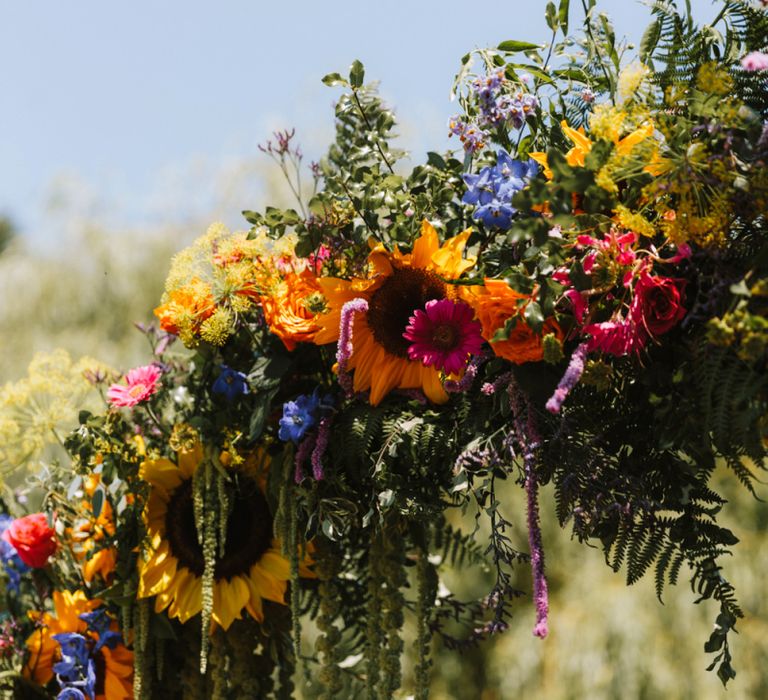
275, 564
448, 261
425, 246
268, 586
229, 599
161, 473
432, 386
189, 459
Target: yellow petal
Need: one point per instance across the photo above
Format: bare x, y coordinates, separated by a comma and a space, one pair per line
229, 599
577, 137
625, 146
541, 158
448, 260
432, 386
189, 459
425, 246
161, 473
275, 564
267, 585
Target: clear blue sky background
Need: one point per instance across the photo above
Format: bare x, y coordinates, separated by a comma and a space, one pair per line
117, 93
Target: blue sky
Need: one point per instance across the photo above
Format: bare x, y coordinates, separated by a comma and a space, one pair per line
119, 97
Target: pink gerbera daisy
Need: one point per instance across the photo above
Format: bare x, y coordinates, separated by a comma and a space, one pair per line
140, 384
444, 335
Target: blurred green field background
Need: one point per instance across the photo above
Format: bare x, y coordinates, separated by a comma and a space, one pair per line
83, 292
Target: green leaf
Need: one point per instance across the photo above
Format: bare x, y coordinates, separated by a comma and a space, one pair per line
650, 39
252, 217
83, 417
513, 46
356, 74
97, 502
534, 316
334, 79
562, 15
519, 282
261, 409
551, 16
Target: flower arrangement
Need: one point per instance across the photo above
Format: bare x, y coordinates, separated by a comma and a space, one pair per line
579, 299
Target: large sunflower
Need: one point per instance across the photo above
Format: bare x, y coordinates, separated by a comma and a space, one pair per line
399, 285
252, 568
114, 667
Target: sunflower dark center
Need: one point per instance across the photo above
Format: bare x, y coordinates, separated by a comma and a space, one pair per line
445, 336
100, 664
249, 530
392, 305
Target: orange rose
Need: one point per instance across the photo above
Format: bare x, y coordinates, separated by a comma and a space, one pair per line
494, 304
288, 308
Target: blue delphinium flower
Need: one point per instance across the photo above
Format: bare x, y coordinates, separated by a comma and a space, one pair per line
230, 383
76, 670
492, 189
98, 621
70, 693
302, 414
11, 561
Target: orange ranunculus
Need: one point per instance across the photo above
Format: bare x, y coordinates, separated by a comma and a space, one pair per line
288, 308
494, 304
185, 308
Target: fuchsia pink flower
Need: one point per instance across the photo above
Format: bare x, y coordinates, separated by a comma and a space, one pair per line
140, 384
444, 335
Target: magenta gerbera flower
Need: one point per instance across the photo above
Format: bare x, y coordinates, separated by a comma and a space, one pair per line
140, 384
444, 335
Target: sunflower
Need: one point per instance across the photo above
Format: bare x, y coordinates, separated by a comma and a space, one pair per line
399, 285
114, 667
252, 568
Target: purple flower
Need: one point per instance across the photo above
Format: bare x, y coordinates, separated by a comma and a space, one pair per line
492, 189
230, 383
344, 346
472, 137
570, 379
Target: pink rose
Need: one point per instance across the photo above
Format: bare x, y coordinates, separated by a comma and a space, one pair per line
657, 304
32, 538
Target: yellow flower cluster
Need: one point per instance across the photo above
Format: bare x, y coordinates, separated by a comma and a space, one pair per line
38, 411
218, 278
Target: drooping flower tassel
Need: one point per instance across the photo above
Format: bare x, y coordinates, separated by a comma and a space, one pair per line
570, 379
528, 437
344, 348
540, 588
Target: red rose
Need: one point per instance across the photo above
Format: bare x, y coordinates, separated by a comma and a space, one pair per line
658, 303
32, 538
